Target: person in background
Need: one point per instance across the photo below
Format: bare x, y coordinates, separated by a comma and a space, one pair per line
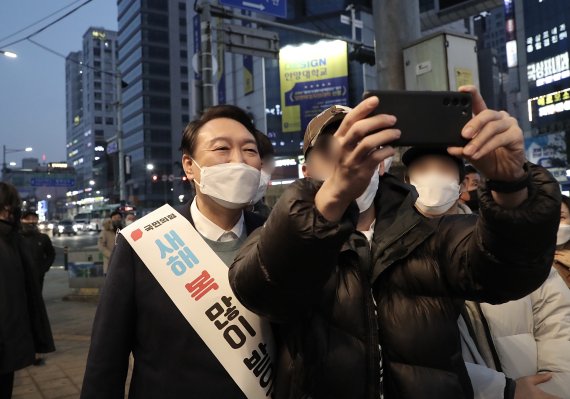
471, 183
39, 245
267, 154
363, 290
562, 254
507, 347
135, 315
24, 326
130, 218
107, 237
41, 251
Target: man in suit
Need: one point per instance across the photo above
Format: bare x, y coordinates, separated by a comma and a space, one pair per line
135, 315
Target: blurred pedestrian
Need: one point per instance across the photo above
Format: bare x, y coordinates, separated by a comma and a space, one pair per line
39, 245
24, 326
40, 249
562, 254
471, 182
364, 290
107, 237
135, 313
525, 334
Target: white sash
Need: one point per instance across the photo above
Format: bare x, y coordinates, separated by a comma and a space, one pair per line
196, 280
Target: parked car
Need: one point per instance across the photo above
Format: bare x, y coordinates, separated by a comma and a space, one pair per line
65, 227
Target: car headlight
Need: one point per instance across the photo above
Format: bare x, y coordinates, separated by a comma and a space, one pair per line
60, 228
50, 226
74, 228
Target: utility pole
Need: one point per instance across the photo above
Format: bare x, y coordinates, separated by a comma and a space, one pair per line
354, 24
3, 160
119, 104
206, 58
397, 24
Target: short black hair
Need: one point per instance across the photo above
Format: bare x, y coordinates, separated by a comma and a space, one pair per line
566, 201
116, 213
10, 200
264, 145
469, 169
190, 133
415, 153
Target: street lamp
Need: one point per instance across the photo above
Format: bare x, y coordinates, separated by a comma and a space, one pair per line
6, 150
9, 54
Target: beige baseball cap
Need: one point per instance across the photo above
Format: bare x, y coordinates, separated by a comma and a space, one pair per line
319, 122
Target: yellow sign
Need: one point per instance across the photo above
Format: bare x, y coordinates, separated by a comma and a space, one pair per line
313, 77
463, 77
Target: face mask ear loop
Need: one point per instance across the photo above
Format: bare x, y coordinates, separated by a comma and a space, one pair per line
198, 165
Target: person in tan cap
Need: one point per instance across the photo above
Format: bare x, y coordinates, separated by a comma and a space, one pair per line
364, 291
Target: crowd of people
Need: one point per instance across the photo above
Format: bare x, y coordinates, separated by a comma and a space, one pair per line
453, 282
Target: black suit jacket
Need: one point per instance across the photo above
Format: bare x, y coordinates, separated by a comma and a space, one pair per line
135, 315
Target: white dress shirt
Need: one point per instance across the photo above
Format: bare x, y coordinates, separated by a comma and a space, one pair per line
370, 232
212, 231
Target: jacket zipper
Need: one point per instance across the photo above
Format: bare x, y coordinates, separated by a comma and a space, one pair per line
372, 323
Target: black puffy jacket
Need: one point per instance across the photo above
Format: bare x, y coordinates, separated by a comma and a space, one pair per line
314, 279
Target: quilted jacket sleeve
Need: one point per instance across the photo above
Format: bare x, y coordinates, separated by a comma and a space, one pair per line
282, 266
503, 254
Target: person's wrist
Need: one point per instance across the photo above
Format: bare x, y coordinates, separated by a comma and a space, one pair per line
518, 181
330, 202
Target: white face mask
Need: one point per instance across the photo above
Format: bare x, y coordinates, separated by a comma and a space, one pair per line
365, 200
262, 189
388, 163
232, 185
563, 235
437, 193
128, 221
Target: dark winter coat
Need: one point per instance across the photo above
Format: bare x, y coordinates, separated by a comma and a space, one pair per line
320, 280
24, 325
136, 315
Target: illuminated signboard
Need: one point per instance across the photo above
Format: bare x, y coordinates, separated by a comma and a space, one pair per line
547, 46
510, 34
545, 39
312, 78
549, 70
549, 104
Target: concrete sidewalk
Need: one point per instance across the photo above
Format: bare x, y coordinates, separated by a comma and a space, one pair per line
71, 322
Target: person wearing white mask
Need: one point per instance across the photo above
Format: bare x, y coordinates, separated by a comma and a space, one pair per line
364, 290
135, 315
562, 254
437, 178
525, 333
130, 218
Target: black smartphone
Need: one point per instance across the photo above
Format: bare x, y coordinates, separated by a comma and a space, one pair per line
426, 118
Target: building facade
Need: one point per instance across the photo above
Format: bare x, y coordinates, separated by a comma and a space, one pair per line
91, 117
154, 62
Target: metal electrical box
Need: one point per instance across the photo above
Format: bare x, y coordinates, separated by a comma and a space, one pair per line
441, 61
